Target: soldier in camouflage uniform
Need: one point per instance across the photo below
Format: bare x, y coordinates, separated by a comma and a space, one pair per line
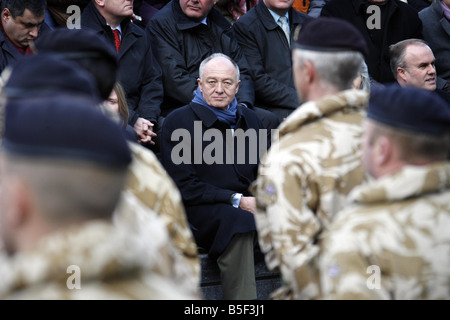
151, 184
393, 241
58, 198
102, 250
306, 175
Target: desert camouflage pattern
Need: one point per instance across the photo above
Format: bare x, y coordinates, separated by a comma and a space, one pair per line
393, 242
303, 180
120, 259
148, 180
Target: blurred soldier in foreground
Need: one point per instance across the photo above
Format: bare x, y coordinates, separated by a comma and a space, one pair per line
80, 51
393, 241
305, 177
63, 167
40, 77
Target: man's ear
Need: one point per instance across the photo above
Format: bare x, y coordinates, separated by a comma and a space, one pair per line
6, 15
401, 73
100, 3
200, 86
237, 86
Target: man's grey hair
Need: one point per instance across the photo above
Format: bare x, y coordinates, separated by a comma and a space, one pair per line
216, 55
337, 69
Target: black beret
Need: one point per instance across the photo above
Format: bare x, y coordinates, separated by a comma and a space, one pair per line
409, 108
330, 34
75, 44
65, 127
47, 74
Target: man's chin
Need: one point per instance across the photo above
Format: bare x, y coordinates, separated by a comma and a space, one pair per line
431, 87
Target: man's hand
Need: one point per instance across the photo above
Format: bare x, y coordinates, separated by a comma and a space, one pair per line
144, 130
248, 204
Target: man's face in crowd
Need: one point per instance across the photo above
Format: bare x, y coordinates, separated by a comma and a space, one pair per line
22, 29
219, 83
419, 70
197, 9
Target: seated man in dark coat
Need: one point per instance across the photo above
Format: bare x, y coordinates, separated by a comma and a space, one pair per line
211, 148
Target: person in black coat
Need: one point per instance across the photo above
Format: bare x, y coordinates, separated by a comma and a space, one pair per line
139, 73
268, 52
397, 21
436, 31
204, 149
183, 38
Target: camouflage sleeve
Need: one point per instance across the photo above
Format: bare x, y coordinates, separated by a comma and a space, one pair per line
153, 186
287, 227
349, 268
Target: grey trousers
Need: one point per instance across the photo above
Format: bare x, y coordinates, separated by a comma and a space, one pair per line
237, 268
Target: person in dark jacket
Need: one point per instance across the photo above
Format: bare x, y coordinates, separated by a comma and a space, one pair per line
268, 51
382, 23
139, 73
187, 31
213, 166
22, 22
436, 31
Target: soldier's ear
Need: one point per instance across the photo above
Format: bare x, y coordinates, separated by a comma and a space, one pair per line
17, 209
309, 72
384, 151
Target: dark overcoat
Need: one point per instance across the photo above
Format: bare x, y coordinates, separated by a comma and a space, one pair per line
205, 176
436, 32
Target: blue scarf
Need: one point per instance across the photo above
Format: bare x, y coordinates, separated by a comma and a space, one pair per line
227, 116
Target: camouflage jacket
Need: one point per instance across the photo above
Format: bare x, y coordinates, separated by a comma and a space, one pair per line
303, 180
126, 259
149, 181
393, 242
